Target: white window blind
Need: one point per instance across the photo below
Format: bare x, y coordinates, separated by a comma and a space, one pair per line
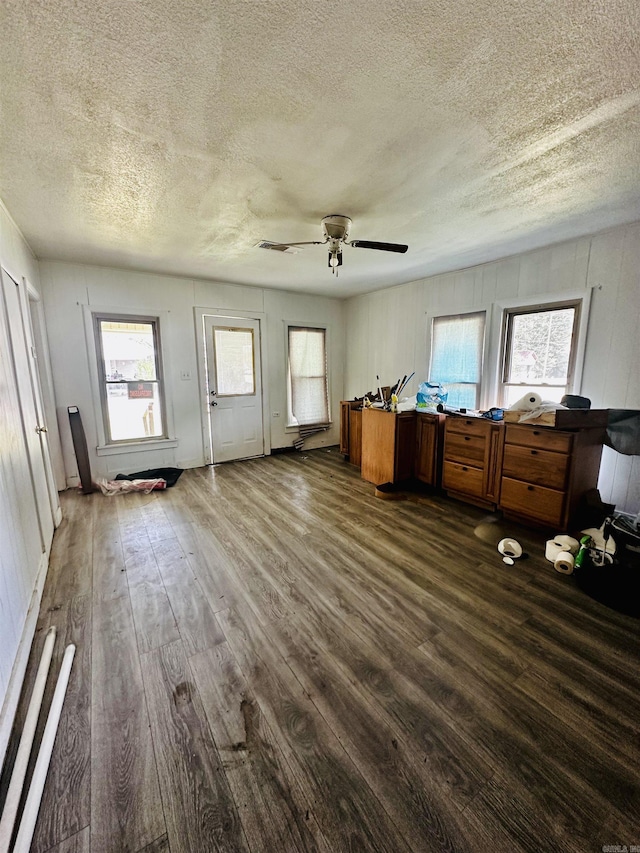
308, 393
457, 342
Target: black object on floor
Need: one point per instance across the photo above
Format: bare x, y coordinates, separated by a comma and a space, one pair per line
171, 475
614, 586
80, 449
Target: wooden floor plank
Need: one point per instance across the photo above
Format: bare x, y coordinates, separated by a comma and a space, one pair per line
78, 843
207, 561
161, 845
195, 620
126, 809
70, 571
109, 574
198, 804
560, 699
274, 812
348, 813
152, 614
588, 783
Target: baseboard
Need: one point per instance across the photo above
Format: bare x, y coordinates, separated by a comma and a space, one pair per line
10, 704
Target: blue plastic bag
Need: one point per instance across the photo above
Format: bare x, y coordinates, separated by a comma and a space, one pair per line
430, 394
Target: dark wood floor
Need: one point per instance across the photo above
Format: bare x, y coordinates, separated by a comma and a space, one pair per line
271, 659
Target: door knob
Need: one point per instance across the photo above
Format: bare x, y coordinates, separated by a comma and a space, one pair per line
40, 429
213, 403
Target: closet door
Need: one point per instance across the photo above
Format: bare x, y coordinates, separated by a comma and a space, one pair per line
19, 354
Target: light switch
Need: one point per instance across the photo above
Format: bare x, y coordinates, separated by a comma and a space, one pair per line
185, 374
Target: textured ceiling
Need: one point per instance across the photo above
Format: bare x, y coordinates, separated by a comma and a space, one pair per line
172, 136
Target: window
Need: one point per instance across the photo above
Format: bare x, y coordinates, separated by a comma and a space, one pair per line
540, 351
457, 344
308, 394
130, 375
234, 361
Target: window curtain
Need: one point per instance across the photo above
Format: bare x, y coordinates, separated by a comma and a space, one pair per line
308, 375
456, 356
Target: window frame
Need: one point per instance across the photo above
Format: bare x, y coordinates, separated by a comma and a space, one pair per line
108, 443
480, 384
315, 327
576, 354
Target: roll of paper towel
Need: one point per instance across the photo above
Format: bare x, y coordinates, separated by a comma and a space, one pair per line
564, 563
527, 403
559, 544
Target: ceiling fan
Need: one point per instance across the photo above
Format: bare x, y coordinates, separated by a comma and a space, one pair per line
335, 230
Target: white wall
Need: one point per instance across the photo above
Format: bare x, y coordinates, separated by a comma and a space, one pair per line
387, 331
22, 559
68, 288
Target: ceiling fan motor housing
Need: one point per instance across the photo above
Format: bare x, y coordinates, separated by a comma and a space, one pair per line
336, 227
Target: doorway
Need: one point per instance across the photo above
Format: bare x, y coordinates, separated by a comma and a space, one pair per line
234, 387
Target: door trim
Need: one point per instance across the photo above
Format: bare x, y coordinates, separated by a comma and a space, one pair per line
199, 314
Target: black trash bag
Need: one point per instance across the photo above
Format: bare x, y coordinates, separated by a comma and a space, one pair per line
170, 475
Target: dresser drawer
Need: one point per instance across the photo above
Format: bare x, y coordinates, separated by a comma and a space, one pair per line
463, 478
535, 502
540, 467
465, 448
544, 439
467, 426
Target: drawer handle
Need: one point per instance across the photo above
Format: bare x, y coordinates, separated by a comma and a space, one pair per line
536, 432
534, 452
467, 438
530, 488
464, 468
468, 423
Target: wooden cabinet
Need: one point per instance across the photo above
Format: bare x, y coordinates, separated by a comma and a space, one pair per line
355, 437
546, 473
351, 430
429, 443
472, 459
388, 446
345, 408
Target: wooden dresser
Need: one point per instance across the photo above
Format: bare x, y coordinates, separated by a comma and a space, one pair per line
472, 459
546, 473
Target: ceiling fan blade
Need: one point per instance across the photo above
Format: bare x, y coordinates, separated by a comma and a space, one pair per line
282, 247
384, 247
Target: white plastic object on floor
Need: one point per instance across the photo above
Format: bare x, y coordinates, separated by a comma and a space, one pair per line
26, 742
34, 797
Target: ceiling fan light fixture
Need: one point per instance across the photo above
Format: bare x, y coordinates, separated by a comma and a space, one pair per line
335, 260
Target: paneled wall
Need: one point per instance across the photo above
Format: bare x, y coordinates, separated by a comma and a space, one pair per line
69, 288
23, 555
388, 331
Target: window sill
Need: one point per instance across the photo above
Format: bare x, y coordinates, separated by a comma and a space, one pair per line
135, 446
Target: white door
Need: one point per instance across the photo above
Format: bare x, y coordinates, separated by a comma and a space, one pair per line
31, 426
30, 321
234, 386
